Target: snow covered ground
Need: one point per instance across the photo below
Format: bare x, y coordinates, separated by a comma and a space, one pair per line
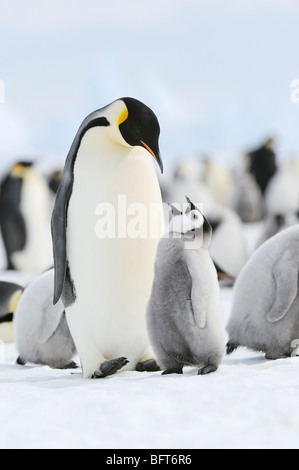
248, 403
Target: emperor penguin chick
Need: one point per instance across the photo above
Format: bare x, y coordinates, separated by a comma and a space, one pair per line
265, 309
42, 333
184, 312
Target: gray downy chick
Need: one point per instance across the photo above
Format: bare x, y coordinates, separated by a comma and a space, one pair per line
42, 333
265, 310
184, 313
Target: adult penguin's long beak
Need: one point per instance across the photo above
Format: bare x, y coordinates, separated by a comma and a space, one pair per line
155, 154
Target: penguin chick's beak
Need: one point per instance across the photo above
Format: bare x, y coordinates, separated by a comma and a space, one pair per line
156, 155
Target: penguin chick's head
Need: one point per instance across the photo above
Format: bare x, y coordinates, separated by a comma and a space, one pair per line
129, 123
190, 224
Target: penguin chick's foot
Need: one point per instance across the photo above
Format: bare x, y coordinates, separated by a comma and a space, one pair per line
110, 367
174, 370
231, 347
20, 361
207, 370
271, 356
147, 366
71, 365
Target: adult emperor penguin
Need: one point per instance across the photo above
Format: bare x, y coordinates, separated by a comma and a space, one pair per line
263, 164
184, 311
105, 279
25, 219
10, 294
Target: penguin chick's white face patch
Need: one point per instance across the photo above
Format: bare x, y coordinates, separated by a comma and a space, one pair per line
186, 224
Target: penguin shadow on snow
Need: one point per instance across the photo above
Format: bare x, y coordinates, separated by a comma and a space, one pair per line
256, 360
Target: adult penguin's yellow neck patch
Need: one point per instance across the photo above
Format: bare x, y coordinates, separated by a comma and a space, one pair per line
123, 116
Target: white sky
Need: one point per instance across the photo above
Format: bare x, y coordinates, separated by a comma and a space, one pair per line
217, 73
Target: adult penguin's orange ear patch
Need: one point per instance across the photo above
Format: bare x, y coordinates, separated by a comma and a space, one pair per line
123, 116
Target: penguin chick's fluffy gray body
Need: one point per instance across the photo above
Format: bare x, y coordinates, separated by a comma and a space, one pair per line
184, 314
265, 310
42, 333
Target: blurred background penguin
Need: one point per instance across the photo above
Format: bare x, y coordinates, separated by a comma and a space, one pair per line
10, 295
25, 219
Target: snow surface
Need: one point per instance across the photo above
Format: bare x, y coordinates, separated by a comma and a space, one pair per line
248, 403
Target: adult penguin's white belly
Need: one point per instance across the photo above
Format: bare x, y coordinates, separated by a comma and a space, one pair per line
112, 276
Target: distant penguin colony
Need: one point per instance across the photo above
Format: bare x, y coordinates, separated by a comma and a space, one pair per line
187, 179
265, 311
184, 312
10, 295
105, 282
281, 202
247, 199
25, 219
219, 180
228, 246
42, 333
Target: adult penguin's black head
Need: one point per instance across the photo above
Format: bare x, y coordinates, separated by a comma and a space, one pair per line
139, 126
